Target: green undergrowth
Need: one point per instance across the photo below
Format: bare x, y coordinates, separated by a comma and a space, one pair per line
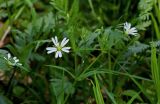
106, 63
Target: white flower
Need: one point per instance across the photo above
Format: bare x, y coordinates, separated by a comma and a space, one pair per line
12, 61
128, 30
58, 47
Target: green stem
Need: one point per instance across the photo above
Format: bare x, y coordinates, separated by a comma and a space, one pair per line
110, 75
10, 81
121, 53
91, 64
9, 13
92, 8
75, 63
63, 87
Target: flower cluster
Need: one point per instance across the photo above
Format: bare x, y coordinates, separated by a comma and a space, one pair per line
128, 30
12, 61
58, 47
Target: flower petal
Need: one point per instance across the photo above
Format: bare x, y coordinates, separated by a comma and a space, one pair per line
51, 48
127, 26
64, 42
51, 51
133, 29
15, 59
55, 41
19, 64
66, 49
57, 54
9, 55
60, 53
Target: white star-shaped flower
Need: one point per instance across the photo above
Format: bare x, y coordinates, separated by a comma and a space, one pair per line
12, 61
128, 30
58, 47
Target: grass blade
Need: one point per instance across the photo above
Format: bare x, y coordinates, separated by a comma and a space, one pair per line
155, 71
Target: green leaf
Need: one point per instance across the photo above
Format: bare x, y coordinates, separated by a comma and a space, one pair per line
58, 86
132, 93
155, 71
18, 90
4, 100
97, 91
61, 68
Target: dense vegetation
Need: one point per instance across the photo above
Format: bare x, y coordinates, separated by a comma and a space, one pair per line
79, 52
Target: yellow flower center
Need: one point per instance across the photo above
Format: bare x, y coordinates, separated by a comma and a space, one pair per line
59, 48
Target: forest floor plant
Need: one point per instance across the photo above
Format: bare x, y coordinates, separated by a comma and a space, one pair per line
109, 53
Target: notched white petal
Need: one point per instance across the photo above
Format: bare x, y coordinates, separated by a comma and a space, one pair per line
51, 51
127, 25
51, 48
57, 54
60, 53
133, 29
9, 55
66, 49
55, 41
64, 42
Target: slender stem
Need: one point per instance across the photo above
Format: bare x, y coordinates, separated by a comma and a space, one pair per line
9, 13
110, 75
63, 81
74, 83
92, 8
121, 53
91, 64
75, 63
10, 81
